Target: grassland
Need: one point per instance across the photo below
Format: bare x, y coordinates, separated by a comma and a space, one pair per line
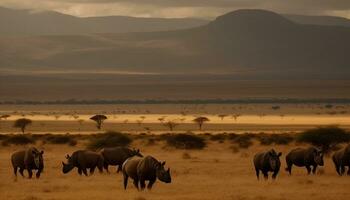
216, 172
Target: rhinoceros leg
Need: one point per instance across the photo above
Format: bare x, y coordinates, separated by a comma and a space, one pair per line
105, 166
79, 171
314, 169
142, 183
38, 174
257, 171
92, 170
136, 183
349, 170
342, 169
266, 175
308, 169
30, 173
85, 171
119, 168
125, 180
274, 175
21, 170
15, 171
150, 184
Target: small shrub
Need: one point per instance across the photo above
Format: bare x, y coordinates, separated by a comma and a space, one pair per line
329, 106
234, 148
18, 140
186, 155
3, 137
324, 137
186, 141
109, 139
244, 141
61, 139
281, 139
218, 137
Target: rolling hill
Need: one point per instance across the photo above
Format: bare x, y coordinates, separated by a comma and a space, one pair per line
28, 22
245, 42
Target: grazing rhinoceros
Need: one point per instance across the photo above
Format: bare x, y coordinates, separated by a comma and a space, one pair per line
28, 159
268, 161
341, 160
83, 160
117, 156
145, 169
304, 158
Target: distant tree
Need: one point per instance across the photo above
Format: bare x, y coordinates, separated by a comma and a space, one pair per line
5, 116
222, 116
200, 121
275, 107
161, 119
171, 125
235, 116
22, 123
99, 119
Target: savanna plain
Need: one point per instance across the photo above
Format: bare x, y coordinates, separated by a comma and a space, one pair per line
223, 169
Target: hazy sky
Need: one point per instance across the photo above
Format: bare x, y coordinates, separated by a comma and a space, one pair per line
181, 8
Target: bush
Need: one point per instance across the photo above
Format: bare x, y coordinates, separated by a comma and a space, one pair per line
109, 139
61, 139
324, 137
244, 141
186, 141
18, 140
218, 137
282, 139
3, 137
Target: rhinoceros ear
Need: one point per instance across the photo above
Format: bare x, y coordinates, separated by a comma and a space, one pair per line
168, 170
67, 156
138, 150
41, 152
163, 163
279, 154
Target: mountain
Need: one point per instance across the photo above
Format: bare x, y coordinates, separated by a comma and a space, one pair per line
28, 22
252, 43
319, 20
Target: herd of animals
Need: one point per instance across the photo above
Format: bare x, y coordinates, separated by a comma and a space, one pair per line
132, 163
139, 168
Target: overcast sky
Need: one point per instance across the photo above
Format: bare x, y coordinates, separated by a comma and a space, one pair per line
181, 8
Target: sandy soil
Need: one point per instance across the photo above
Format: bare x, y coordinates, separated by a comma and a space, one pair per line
213, 173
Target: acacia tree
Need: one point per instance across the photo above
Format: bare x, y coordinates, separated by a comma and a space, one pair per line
171, 125
200, 121
222, 116
22, 123
99, 119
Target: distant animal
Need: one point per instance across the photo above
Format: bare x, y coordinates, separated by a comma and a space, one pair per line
304, 158
83, 160
29, 159
341, 159
268, 161
145, 169
117, 156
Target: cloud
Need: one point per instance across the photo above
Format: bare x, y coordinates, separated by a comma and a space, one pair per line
181, 8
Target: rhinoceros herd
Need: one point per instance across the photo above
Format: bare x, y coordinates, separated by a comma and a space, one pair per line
310, 158
130, 161
139, 168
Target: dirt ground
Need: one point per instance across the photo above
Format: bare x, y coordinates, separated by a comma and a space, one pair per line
213, 173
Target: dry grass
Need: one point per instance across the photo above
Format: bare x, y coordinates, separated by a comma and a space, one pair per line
216, 173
